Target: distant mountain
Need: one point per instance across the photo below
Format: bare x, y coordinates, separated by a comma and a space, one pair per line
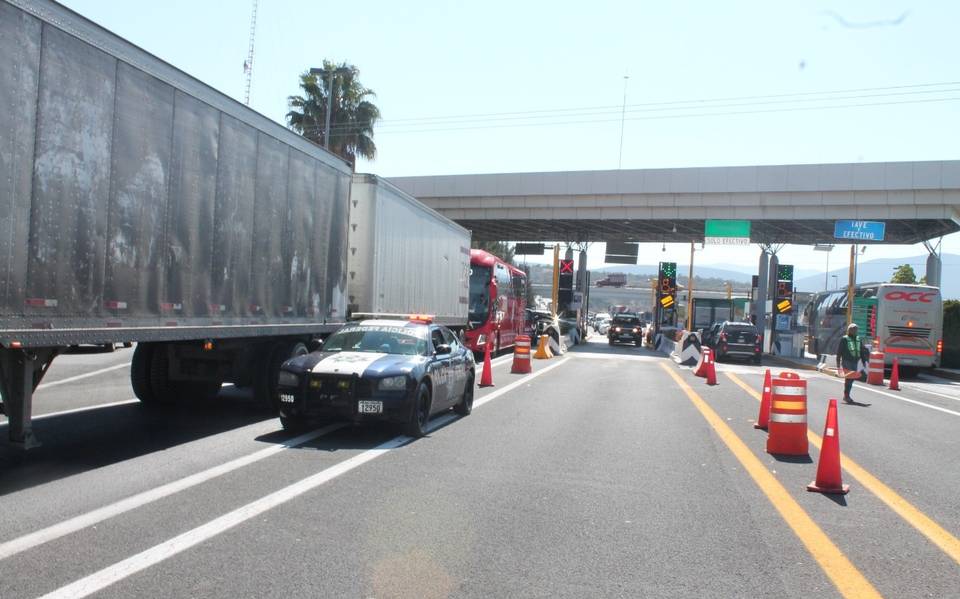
881, 270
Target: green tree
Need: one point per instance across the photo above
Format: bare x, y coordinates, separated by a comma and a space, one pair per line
904, 274
352, 114
501, 249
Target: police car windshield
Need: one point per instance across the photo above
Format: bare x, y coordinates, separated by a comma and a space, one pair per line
386, 340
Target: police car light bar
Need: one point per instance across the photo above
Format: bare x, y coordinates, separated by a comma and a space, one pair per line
422, 318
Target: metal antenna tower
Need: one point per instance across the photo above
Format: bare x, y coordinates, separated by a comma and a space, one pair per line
248, 63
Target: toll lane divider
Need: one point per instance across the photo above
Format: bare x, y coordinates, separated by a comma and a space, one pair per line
839, 569
112, 574
938, 535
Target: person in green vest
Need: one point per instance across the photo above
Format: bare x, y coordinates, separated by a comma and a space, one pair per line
850, 353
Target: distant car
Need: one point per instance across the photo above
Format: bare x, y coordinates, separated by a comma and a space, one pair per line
734, 340
393, 371
625, 328
603, 326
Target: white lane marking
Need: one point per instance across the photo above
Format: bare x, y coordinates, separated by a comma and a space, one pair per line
887, 394
77, 410
158, 553
908, 400
45, 535
615, 357
913, 387
81, 376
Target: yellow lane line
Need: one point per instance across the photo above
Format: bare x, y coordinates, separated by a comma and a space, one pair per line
845, 576
938, 535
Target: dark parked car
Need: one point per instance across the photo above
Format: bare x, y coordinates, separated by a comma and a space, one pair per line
733, 340
395, 371
625, 328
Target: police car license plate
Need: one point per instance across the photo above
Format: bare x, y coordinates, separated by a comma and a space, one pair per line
370, 407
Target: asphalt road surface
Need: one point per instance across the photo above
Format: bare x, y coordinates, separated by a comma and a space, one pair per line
608, 472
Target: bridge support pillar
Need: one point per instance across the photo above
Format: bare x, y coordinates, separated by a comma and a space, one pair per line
760, 299
933, 269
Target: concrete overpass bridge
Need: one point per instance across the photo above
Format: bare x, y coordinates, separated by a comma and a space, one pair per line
786, 204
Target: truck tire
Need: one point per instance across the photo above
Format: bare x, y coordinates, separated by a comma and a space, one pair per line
160, 384
266, 372
293, 423
169, 392
140, 373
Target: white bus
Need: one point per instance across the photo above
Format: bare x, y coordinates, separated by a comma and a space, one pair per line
906, 322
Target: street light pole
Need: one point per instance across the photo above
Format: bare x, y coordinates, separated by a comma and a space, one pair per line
690, 291
326, 123
326, 120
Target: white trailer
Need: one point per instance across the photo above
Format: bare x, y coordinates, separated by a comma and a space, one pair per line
405, 258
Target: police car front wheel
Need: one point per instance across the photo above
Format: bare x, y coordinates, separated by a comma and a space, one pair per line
416, 427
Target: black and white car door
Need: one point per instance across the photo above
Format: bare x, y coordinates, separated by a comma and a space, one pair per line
439, 369
458, 366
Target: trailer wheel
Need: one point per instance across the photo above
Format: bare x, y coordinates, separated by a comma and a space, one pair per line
160, 384
140, 373
266, 373
168, 392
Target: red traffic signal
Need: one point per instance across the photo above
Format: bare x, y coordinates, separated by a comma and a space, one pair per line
566, 267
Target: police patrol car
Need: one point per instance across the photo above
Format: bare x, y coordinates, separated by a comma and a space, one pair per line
400, 371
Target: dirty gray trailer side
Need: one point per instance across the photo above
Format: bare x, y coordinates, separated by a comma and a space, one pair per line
139, 205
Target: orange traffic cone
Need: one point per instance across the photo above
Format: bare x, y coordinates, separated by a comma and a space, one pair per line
711, 371
702, 366
828, 469
486, 379
895, 375
763, 418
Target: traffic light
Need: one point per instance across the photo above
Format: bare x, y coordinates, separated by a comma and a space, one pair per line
785, 272
666, 292
784, 295
565, 285
784, 289
667, 279
566, 274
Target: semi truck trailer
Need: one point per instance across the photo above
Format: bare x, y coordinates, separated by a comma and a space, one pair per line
405, 258
138, 204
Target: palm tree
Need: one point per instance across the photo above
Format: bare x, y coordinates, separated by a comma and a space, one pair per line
352, 116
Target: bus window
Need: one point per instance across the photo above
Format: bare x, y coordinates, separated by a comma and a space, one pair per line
518, 286
479, 294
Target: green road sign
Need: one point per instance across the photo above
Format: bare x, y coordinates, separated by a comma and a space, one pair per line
726, 232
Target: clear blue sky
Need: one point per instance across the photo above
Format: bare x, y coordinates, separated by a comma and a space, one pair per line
441, 59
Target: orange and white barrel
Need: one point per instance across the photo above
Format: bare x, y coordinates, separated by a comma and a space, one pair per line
875, 368
521, 355
788, 415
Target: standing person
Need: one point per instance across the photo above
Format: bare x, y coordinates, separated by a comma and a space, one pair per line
850, 353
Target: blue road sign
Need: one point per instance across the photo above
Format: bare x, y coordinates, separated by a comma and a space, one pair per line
859, 230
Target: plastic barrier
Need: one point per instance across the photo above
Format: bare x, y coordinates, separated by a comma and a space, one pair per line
689, 353
788, 415
543, 349
875, 368
521, 355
